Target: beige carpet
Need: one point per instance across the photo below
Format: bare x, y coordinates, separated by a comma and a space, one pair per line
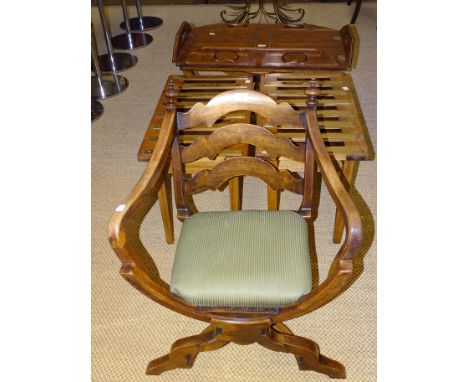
128, 329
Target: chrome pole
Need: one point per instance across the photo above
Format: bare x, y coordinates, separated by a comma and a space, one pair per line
125, 15
113, 62
138, 7
142, 23
130, 40
104, 86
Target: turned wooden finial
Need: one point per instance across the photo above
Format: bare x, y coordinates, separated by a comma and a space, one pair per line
312, 92
171, 95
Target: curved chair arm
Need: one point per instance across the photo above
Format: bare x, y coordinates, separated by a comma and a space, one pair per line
124, 226
342, 266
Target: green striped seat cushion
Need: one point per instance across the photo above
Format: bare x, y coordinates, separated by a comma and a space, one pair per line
242, 259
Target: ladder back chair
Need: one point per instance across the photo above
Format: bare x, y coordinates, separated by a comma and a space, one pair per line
243, 272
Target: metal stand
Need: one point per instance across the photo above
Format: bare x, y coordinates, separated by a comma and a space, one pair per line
113, 62
142, 23
96, 109
241, 13
105, 86
129, 40
357, 8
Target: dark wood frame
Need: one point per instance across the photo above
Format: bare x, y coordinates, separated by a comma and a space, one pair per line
197, 48
264, 327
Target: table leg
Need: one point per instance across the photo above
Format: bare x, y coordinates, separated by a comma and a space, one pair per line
273, 199
347, 177
236, 185
165, 204
273, 196
235, 192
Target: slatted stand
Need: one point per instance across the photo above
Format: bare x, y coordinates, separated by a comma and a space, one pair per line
340, 121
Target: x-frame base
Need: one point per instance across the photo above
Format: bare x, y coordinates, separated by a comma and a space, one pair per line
276, 337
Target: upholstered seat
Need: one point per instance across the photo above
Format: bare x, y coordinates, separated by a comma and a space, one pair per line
242, 259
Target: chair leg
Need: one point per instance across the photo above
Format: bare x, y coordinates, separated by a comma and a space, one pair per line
307, 352
275, 346
185, 351
347, 176
165, 206
276, 337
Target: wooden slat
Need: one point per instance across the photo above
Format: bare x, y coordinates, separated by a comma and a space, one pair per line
241, 133
338, 111
327, 83
234, 167
215, 78
192, 90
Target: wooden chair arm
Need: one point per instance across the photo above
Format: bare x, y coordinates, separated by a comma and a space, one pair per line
138, 268
337, 191
342, 266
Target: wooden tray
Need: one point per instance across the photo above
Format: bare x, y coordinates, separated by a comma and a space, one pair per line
265, 47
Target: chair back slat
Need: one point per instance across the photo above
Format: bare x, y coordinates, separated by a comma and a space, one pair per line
267, 145
245, 166
234, 100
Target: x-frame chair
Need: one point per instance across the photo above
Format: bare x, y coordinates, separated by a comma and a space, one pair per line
264, 326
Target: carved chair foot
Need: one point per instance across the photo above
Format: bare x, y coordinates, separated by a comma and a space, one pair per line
160, 365
185, 351
307, 352
324, 365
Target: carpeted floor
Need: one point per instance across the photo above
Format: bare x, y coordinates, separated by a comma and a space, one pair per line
128, 329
